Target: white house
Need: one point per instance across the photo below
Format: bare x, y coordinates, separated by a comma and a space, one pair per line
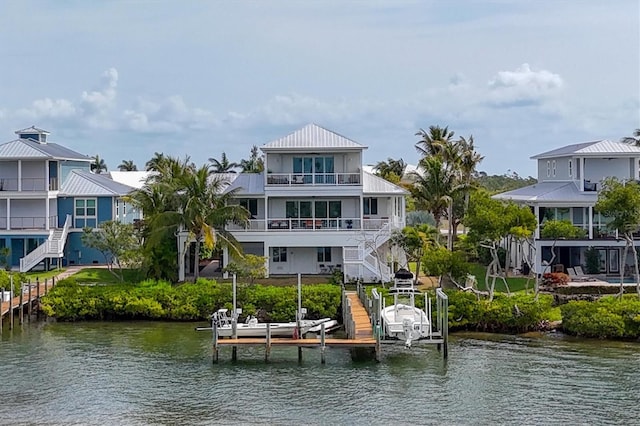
315, 210
568, 182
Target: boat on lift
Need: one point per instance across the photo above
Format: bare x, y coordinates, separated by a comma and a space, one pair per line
403, 320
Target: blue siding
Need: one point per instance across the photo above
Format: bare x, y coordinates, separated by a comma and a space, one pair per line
105, 209
65, 207
17, 244
76, 253
67, 166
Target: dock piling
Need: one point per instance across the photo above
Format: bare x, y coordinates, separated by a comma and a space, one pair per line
11, 304
322, 343
21, 312
267, 349
214, 336
234, 331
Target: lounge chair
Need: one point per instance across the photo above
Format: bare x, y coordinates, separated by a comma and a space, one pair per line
576, 274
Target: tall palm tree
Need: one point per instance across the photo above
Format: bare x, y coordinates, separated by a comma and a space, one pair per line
155, 163
254, 164
434, 187
98, 166
223, 165
432, 142
127, 166
633, 140
391, 170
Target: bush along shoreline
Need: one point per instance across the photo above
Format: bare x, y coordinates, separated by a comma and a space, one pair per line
160, 300
606, 318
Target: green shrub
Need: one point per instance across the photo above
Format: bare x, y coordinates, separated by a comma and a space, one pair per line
608, 317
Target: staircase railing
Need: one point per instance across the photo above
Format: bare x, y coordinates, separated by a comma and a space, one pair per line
34, 257
52, 247
65, 232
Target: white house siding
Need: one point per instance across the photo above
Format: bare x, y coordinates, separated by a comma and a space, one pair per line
598, 168
561, 169
9, 175
303, 260
348, 162
28, 214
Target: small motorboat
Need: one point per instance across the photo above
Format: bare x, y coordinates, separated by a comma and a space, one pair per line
329, 326
402, 320
252, 328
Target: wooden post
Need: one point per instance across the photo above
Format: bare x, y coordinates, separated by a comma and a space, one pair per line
11, 304
234, 329
1, 307
29, 300
21, 313
46, 281
445, 329
214, 336
322, 343
267, 349
37, 294
299, 325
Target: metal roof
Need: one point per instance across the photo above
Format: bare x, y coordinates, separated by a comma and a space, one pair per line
593, 149
246, 183
27, 148
312, 136
83, 183
135, 179
550, 192
32, 129
373, 184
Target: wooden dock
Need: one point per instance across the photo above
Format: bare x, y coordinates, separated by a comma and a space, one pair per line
29, 296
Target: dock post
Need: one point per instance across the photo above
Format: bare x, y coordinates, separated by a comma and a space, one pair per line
234, 349
267, 349
46, 281
1, 303
37, 294
21, 312
11, 304
322, 345
214, 336
299, 316
29, 301
445, 329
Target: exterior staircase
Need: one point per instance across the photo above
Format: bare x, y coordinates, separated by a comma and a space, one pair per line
361, 260
53, 247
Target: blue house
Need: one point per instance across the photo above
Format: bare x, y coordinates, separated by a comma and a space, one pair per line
47, 195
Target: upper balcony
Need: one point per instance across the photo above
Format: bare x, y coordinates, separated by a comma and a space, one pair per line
313, 179
29, 184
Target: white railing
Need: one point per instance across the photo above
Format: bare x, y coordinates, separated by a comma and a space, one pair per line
35, 257
352, 254
296, 179
26, 184
52, 247
295, 224
25, 222
65, 232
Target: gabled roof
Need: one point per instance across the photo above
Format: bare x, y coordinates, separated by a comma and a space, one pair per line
593, 149
246, 183
373, 184
29, 149
550, 192
83, 183
312, 136
135, 179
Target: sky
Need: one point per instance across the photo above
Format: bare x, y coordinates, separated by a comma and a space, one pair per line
125, 79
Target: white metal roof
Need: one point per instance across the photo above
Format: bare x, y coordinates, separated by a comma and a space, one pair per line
32, 129
83, 183
28, 149
312, 136
373, 184
246, 183
550, 192
135, 179
593, 149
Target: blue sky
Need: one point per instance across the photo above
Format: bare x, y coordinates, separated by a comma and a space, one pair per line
124, 79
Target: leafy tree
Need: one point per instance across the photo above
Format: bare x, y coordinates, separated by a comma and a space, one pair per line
223, 165
620, 201
254, 164
415, 240
501, 183
127, 166
559, 229
391, 170
433, 188
248, 266
592, 260
440, 262
98, 165
117, 243
156, 162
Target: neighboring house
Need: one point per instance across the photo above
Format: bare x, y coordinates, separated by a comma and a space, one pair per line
569, 179
47, 195
315, 210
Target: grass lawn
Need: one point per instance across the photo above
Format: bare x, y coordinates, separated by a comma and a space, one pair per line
42, 275
515, 283
103, 276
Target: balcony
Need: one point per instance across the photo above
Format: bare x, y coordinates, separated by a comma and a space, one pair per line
26, 222
310, 224
313, 179
29, 184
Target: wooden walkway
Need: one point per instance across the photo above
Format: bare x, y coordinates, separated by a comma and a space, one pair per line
362, 330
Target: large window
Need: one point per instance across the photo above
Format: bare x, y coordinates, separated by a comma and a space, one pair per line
328, 209
298, 209
85, 212
324, 254
278, 254
370, 205
250, 204
321, 167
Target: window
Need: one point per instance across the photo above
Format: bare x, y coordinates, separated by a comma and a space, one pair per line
331, 208
570, 168
85, 212
298, 209
370, 205
322, 167
278, 254
324, 254
553, 168
548, 168
250, 204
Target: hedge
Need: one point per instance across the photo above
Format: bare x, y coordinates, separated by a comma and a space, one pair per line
608, 317
70, 301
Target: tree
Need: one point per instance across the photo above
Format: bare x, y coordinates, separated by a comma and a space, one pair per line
156, 162
433, 142
633, 140
255, 163
223, 165
415, 240
491, 221
433, 188
98, 165
127, 166
620, 201
391, 170
248, 266
117, 243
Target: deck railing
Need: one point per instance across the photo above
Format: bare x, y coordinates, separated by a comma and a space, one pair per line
296, 179
26, 222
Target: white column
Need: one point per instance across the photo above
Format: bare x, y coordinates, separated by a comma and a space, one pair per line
46, 176
582, 174
590, 212
266, 262
19, 175
8, 213
46, 213
225, 262
536, 212
266, 212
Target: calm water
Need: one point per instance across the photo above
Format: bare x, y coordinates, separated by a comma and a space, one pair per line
161, 373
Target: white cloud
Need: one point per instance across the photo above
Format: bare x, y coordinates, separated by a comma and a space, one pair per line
523, 86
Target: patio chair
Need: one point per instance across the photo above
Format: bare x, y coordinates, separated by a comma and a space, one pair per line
576, 274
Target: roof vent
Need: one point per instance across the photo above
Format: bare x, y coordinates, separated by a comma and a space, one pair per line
33, 133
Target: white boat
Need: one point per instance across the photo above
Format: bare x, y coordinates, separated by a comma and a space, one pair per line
252, 328
402, 320
329, 326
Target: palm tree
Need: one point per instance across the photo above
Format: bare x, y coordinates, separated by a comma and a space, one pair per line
434, 188
433, 141
223, 165
633, 140
127, 166
391, 170
98, 166
156, 162
255, 163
